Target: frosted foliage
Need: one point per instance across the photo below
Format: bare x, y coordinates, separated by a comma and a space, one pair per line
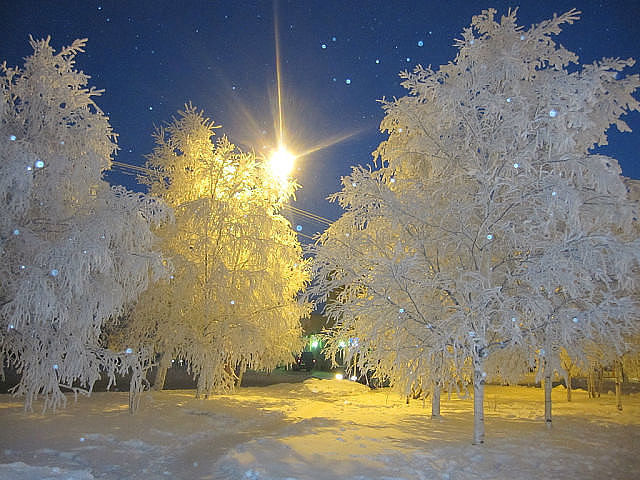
490, 238
231, 302
75, 252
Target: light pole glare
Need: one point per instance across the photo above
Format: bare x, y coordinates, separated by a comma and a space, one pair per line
281, 163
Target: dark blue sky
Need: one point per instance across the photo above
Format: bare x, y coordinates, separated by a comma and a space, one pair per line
337, 57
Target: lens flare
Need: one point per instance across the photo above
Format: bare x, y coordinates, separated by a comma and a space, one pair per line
277, 140
281, 163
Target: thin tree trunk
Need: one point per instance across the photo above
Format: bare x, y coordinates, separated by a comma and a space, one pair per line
435, 400
161, 372
135, 389
618, 373
478, 402
547, 398
200, 387
239, 374
134, 401
600, 380
568, 387
595, 380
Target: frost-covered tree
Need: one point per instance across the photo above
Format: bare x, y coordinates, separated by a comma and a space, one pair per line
491, 234
232, 300
385, 320
75, 252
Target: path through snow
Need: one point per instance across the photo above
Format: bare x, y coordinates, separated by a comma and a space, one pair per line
320, 429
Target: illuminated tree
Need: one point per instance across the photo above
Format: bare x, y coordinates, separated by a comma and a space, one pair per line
231, 302
491, 234
385, 317
75, 252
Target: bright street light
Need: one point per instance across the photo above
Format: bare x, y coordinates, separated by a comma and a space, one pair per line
281, 163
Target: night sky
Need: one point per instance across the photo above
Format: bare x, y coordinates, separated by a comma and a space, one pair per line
337, 59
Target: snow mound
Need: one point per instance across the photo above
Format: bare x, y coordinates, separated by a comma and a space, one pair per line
13, 471
335, 387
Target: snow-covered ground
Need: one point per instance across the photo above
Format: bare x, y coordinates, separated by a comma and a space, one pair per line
321, 429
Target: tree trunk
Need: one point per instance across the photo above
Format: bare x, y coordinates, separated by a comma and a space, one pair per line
618, 373
600, 377
161, 372
239, 374
135, 389
435, 400
200, 390
478, 402
568, 387
547, 398
134, 401
595, 380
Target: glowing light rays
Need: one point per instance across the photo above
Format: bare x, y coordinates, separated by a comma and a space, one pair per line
330, 142
281, 163
276, 37
278, 146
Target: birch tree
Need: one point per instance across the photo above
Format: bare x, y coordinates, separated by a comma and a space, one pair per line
500, 244
75, 251
231, 302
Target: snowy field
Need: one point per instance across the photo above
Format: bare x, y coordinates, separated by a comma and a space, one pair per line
321, 429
